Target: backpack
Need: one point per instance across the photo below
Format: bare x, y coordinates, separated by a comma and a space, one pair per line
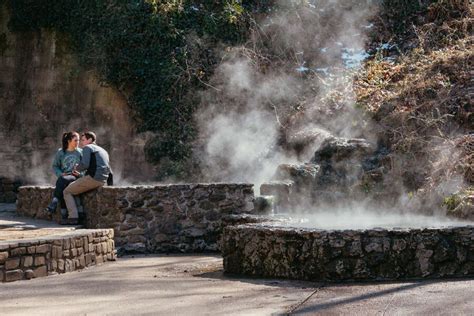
110, 179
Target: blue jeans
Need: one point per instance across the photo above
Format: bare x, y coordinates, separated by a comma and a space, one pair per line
61, 184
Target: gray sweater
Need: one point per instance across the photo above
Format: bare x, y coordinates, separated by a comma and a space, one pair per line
101, 169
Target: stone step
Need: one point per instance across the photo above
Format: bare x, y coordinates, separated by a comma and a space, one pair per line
31, 248
55, 253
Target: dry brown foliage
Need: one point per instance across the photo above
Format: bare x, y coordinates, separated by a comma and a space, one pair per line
423, 101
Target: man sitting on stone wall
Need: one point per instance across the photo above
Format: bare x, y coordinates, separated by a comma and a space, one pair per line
95, 161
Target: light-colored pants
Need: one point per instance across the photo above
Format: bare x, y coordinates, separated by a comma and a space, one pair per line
79, 186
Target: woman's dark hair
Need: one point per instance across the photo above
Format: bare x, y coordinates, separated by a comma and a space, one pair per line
67, 137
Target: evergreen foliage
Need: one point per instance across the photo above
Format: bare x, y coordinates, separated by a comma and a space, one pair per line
159, 52
146, 50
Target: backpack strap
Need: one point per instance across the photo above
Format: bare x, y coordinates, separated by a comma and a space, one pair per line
92, 166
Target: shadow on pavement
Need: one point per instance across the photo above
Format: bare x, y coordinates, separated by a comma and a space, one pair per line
325, 306
221, 275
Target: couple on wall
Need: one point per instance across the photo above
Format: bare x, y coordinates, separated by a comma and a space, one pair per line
80, 165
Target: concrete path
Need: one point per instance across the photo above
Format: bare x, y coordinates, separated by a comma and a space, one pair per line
195, 285
454, 297
155, 285
14, 227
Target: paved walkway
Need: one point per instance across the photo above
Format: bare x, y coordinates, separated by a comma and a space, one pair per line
14, 227
195, 285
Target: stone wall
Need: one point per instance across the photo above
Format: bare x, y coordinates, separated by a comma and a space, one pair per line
32, 200
26, 259
314, 255
8, 190
164, 218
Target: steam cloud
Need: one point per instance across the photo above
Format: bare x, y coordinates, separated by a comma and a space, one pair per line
249, 111
242, 133
245, 113
363, 218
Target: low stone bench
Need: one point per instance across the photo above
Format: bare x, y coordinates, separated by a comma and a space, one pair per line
162, 218
32, 258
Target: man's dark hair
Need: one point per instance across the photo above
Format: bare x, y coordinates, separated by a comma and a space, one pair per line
90, 135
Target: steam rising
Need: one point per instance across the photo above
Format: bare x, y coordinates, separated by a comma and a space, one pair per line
290, 84
244, 116
241, 131
254, 140
296, 88
363, 218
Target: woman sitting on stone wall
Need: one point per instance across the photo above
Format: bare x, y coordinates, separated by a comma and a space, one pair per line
64, 163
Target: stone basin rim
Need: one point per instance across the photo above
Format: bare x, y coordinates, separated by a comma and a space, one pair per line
164, 185
273, 227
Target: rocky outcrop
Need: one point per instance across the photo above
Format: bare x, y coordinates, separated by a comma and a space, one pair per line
303, 142
336, 149
340, 170
300, 174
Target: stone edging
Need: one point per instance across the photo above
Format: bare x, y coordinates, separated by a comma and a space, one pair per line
154, 219
32, 258
8, 189
317, 255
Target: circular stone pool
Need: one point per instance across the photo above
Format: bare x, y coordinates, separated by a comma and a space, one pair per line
357, 220
304, 253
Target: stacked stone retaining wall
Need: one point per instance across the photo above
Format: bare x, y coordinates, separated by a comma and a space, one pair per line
165, 218
8, 189
26, 259
306, 254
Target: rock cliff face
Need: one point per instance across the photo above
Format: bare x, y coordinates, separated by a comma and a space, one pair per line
43, 93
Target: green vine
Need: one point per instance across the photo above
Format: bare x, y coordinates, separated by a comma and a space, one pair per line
158, 52
146, 50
